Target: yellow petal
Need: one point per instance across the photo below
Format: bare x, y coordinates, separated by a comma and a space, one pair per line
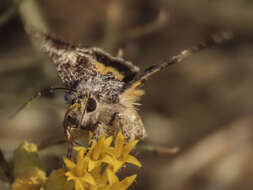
78, 185
132, 160
124, 184
70, 176
114, 163
111, 177
130, 146
80, 153
93, 187
96, 173
108, 160
119, 143
111, 151
92, 146
98, 148
92, 164
88, 179
117, 165
108, 141
69, 164
80, 168
90, 137
86, 161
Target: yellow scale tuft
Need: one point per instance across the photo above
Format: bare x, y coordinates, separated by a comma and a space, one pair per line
102, 69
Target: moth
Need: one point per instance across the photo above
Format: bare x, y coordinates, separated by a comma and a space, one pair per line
101, 90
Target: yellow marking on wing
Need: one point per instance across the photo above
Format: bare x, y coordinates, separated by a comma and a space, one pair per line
130, 97
102, 69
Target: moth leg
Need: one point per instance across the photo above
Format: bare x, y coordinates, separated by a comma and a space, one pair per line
100, 129
69, 142
67, 130
105, 129
38, 94
131, 131
120, 124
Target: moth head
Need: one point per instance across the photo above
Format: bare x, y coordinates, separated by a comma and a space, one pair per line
114, 116
86, 106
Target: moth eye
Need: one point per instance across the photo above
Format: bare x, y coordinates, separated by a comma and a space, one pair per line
91, 105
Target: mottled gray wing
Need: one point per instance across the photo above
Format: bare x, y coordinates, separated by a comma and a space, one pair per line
73, 62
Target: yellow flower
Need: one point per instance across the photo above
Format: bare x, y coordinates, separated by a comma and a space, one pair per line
98, 151
78, 173
99, 148
96, 167
120, 153
25, 157
57, 181
27, 168
121, 185
26, 183
109, 181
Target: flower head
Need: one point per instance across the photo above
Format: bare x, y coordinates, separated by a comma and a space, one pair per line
78, 172
98, 151
57, 181
121, 153
121, 185
28, 173
96, 167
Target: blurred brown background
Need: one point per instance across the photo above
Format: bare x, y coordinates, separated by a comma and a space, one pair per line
204, 106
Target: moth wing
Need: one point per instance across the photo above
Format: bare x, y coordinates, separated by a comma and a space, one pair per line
122, 69
73, 61
71, 64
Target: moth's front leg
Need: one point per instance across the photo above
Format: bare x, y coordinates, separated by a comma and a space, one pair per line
131, 127
67, 130
69, 140
100, 129
110, 129
120, 123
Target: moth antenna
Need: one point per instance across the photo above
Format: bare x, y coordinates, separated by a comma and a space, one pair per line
37, 95
213, 40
